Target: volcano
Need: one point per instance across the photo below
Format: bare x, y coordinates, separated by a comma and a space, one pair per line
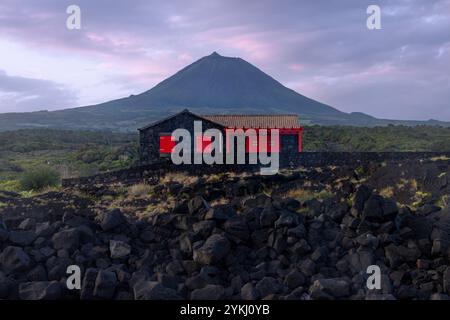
212, 85
230, 84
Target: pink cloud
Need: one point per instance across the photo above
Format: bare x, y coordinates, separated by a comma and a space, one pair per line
255, 46
295, 66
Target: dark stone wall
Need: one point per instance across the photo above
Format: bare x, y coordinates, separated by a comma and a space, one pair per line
306, 159
289, 150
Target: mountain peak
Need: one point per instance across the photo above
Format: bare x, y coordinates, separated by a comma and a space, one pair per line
217, 82
215, 54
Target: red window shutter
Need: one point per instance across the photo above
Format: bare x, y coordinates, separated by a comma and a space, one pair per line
207, 144
261, 146
203, 144
271, 145
251, 145
166, 144
274, 145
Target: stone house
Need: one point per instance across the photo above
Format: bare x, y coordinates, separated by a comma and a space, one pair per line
155, 145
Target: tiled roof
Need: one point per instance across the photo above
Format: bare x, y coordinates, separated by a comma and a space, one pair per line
274, 121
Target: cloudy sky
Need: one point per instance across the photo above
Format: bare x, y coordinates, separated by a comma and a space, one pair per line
320, 48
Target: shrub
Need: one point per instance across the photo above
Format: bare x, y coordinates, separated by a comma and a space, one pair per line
39, 178
140, 190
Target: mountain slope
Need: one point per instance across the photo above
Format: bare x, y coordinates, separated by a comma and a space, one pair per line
213, 84
222, 82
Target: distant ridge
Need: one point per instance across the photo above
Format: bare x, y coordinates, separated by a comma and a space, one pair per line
212, 85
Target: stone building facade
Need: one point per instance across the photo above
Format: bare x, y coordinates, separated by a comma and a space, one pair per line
151, 136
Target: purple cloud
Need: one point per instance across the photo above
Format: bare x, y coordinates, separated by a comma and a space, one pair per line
18, 94
322, 49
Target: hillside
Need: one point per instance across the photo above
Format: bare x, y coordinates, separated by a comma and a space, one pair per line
213, 84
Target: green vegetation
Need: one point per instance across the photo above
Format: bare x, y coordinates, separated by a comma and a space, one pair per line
39, 178
68, 153
82, 153
390, 138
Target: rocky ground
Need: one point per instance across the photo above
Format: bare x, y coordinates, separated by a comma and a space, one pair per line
308, 233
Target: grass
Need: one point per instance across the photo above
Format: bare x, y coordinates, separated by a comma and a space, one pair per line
179, 177
140, 190
359, 170
219, 201
387, 192
349, 201
419, 198
27, 194
304, 195
10, 185
411, 183
442, 174
160, 207
444, 201
440, 158
213, 178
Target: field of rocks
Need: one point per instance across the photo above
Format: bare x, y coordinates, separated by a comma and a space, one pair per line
306, 233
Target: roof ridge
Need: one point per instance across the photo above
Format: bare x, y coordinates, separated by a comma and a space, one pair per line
249, 115
242, 120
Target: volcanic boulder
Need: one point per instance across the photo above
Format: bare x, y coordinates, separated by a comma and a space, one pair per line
40, 290
329, 289
68, 239
215, 248
14, 259
119, 249
111, 219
